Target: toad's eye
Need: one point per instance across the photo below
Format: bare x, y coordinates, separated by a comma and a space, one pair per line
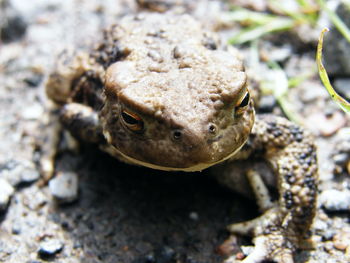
242, 104
132, 121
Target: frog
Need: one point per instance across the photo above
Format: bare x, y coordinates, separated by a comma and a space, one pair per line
161, 91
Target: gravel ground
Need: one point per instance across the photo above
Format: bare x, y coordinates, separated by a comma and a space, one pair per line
128, 214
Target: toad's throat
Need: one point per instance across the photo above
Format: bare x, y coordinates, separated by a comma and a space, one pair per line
195, 168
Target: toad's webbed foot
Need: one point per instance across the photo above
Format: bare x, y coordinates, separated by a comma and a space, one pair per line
284, 225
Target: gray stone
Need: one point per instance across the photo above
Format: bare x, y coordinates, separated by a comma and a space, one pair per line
328, 234
336, 49
335, 200
35, 199
320, 225
49, 248
29, 176
194, 216
6, 191
64, 187
342, 85
12, 24
33, 112
340, 158
34, 79
17, 172
267, 104
16, 228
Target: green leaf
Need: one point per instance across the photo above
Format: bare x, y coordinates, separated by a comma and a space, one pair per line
344, 105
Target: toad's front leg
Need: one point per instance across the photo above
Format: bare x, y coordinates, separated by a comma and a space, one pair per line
75, 77
81, 121
285, 225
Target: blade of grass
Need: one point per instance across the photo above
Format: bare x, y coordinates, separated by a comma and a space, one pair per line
343, 104
247, 16
277, 84
299, 16
308, 7
297, 80
254, 32
303, 3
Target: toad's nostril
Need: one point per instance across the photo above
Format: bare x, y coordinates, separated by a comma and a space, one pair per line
212, 128
176, 134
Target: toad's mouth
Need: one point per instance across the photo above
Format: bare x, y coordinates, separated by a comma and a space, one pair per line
195, 168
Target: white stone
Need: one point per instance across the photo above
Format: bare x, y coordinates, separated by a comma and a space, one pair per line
6, 192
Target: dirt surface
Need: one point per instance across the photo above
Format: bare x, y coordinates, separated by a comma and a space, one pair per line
130, 214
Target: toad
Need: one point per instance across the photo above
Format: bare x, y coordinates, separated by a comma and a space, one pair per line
160, 91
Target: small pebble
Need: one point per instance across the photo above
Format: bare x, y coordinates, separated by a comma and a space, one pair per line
33, 80
150, 258
33, 112
342, 240
326, 126
320, 225
313, 93
194, 216
328, 234
35, 199
267, 104
64, 187
13, 27
6, 192
342, 86
316, 239
340, 158
343, 141
17, 172
49, 248
228, 247
166, 254
29, 176
328, 246
16, 228
336, 48
247, 250
335, 200
240, 256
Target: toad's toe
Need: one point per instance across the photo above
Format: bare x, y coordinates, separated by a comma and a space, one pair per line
271, 247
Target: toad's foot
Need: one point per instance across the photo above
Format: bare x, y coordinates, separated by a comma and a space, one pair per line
271, 242
267, 248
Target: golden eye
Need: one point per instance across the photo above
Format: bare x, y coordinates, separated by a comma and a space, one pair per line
132, 121
242, 103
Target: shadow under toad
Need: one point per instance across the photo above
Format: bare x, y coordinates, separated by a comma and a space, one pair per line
132, 214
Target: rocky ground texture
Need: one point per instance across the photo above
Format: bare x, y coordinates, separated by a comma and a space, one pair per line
99, 210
